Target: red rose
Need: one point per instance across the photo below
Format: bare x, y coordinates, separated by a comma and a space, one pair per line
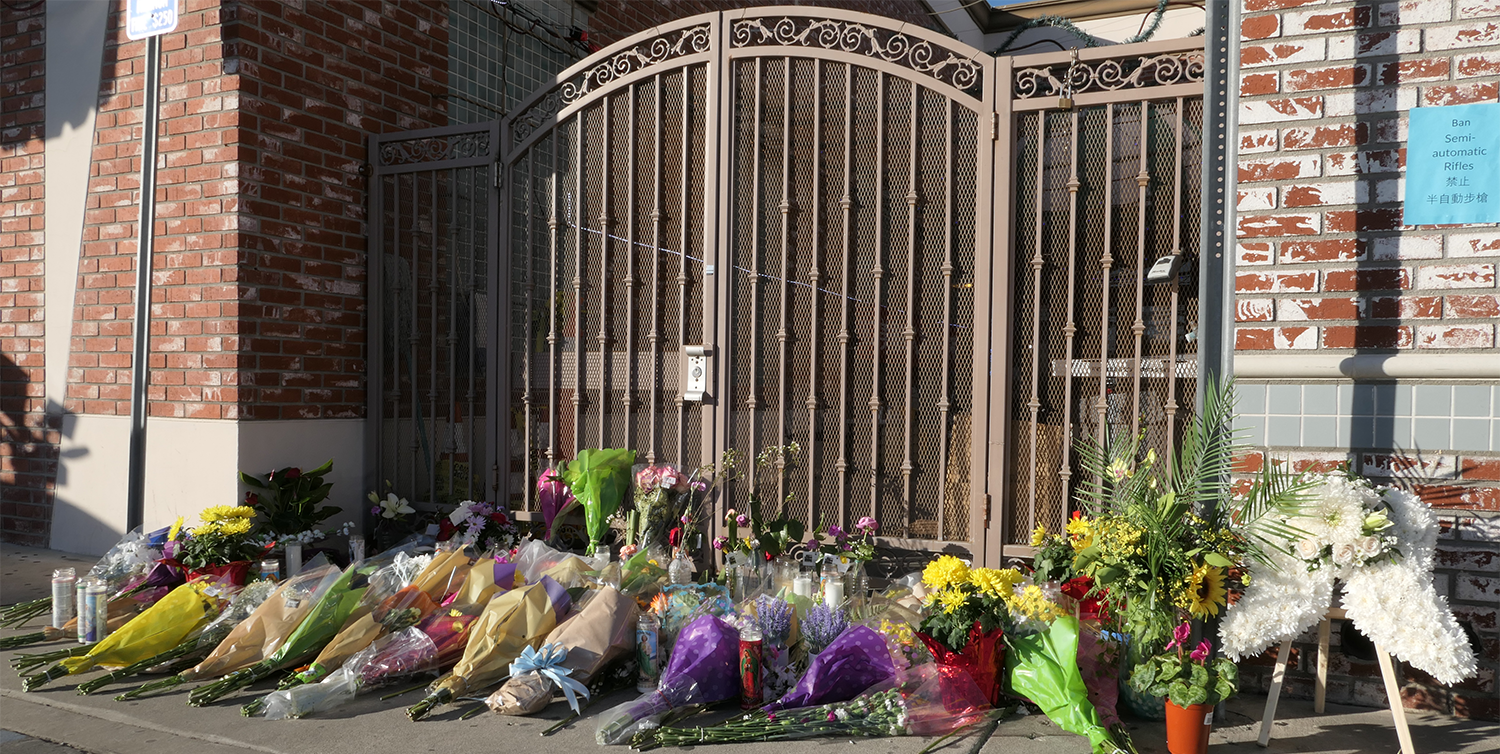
674, 537
445, 530
1078, 588
499, 518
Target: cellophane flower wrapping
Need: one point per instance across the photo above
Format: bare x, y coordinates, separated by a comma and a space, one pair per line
704, 669
1044, 669
390, 602
268, 626
1099, 664
510, 622
162, 626
855, 661
128, 561
924, 700
600, 633
554, 498
982, 657
438, 642
599, 478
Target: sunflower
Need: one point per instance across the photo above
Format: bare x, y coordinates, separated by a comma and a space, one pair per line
945, 571
1205, 591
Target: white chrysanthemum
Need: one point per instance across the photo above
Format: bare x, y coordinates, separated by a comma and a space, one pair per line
1335, 511
1279, 604
1392, 601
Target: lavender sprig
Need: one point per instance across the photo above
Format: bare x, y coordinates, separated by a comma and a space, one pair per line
822, 625
774, 616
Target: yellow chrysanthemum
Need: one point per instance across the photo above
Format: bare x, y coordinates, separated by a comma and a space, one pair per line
225, 512
1081, 529
1205, 591
952, 600
1031, 602
996, 582
1038, 536
175, 530
233, 527
945, 571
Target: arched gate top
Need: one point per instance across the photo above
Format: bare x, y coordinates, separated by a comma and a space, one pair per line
951, 65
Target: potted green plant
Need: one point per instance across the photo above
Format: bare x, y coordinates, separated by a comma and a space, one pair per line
1192, 682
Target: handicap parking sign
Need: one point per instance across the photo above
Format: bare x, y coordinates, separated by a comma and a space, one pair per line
148, 18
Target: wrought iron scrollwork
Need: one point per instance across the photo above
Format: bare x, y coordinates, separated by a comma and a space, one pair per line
1110, 75
435, 148
957, 70
654, 51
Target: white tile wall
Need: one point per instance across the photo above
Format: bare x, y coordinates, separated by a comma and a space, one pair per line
1327, 415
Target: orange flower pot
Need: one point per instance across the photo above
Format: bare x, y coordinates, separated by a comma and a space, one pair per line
1188, 727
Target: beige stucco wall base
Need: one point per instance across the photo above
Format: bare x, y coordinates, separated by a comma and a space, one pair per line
190, 464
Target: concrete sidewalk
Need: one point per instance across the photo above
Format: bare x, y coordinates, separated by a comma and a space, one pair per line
164, 724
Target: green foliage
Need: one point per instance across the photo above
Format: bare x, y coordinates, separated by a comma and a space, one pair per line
1185, 681
287, 500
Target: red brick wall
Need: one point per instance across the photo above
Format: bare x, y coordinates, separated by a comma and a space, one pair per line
28, 442
315, 79
1324, 264
193, 332
616, 19
258, 305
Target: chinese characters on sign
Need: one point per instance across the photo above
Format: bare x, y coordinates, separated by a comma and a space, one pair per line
1453, 165
148, 18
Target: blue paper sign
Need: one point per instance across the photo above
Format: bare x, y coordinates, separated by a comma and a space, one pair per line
148, 18
1453, 165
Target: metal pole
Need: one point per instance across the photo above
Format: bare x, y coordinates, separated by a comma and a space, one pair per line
1215, 286
135, 508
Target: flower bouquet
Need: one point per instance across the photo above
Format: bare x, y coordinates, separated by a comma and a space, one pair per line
969, 610
600, 633
196, 644
120, 611
927, 700
394, 517
260, 634
659, 502
321, 625
857, 660
435, 643
484, 525
822, 625
162, 626
554, 498
390, 603
129, 559
510, 622
599, 479
1044, 669
703, 669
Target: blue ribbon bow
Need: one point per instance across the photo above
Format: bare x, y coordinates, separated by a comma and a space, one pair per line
548, 663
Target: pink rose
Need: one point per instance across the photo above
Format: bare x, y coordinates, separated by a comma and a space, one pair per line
648, 478
672, 479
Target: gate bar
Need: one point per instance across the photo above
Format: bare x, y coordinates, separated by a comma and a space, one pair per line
909, 411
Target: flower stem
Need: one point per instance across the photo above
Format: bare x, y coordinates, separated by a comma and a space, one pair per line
152, 688
402, 692
32, 683
424, 708
94, 684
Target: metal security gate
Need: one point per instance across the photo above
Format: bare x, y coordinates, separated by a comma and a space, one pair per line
433, 211
761, 188
1103, 188
810, 210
